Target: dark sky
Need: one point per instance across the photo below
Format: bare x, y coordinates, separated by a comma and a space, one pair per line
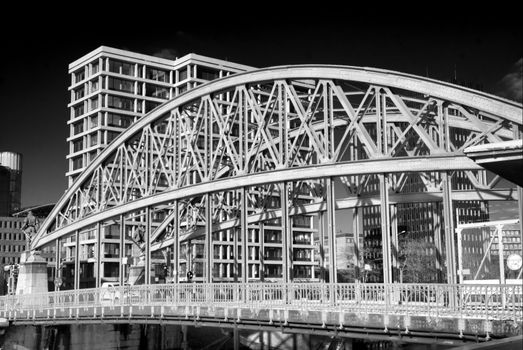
483, 45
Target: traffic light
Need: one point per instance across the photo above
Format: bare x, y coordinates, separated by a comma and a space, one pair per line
189, 276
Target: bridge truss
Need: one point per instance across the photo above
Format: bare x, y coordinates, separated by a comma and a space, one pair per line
248, 178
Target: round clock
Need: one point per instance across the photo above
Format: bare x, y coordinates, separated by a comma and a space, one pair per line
514, 262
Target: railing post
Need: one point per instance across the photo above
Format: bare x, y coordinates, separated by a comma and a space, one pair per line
98, 269
286, 275
176, 244
121, 254
58, 260
460, 253
450, 248
147, 267
77, 261
499, 231
244, 235
321, 227
385, 228
331, 229
286, 241
208, 237
518, 134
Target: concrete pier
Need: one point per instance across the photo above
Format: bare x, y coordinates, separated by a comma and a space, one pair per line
32, 276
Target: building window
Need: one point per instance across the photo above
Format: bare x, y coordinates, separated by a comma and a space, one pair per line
77, 145
302, 255
274, 271
198, 270
79, 93
301, 221
121, 85
78, 110
95, 85
273, 254
120, 121
120, 103
149, 106
272, 236
157, 74
302, 272
207, 73
96, 68
111, 135
94, 121
302, 238
157, 91
112, 231
77, 163
111, 269
182, 75
121, 67
182, 88
79, 76
94, 103
94, 139
78, 128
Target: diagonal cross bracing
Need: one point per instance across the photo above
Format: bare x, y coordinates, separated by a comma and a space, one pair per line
285, 134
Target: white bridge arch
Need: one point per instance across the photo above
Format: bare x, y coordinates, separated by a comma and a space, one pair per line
276, 142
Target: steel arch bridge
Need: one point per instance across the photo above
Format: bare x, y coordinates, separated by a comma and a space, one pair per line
247, 178
276, 147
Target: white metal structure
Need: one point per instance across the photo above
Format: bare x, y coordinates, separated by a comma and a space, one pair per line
266, 151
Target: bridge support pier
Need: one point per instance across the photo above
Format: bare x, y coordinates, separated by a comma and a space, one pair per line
236, 339
32, 276
185, 344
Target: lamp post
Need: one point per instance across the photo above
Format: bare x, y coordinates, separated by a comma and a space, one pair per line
11, 281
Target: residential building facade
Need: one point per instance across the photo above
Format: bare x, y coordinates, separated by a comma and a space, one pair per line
112, 88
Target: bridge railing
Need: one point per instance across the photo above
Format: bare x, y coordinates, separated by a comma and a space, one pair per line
494, 302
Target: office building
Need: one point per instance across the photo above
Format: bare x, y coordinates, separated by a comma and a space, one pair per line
10, 182
12, 240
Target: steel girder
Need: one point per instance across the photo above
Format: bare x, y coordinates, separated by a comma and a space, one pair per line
295, 123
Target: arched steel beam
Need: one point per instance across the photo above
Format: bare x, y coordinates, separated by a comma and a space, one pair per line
497, 106
390, 165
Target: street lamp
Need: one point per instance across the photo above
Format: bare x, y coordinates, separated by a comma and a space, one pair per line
13, 275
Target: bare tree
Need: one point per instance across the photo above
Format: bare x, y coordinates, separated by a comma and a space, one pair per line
416, 260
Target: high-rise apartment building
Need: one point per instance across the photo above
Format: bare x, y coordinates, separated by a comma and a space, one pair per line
111, 88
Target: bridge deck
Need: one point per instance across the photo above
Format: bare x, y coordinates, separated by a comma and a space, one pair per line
425, 310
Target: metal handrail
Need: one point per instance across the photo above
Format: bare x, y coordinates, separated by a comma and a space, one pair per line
435, 300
